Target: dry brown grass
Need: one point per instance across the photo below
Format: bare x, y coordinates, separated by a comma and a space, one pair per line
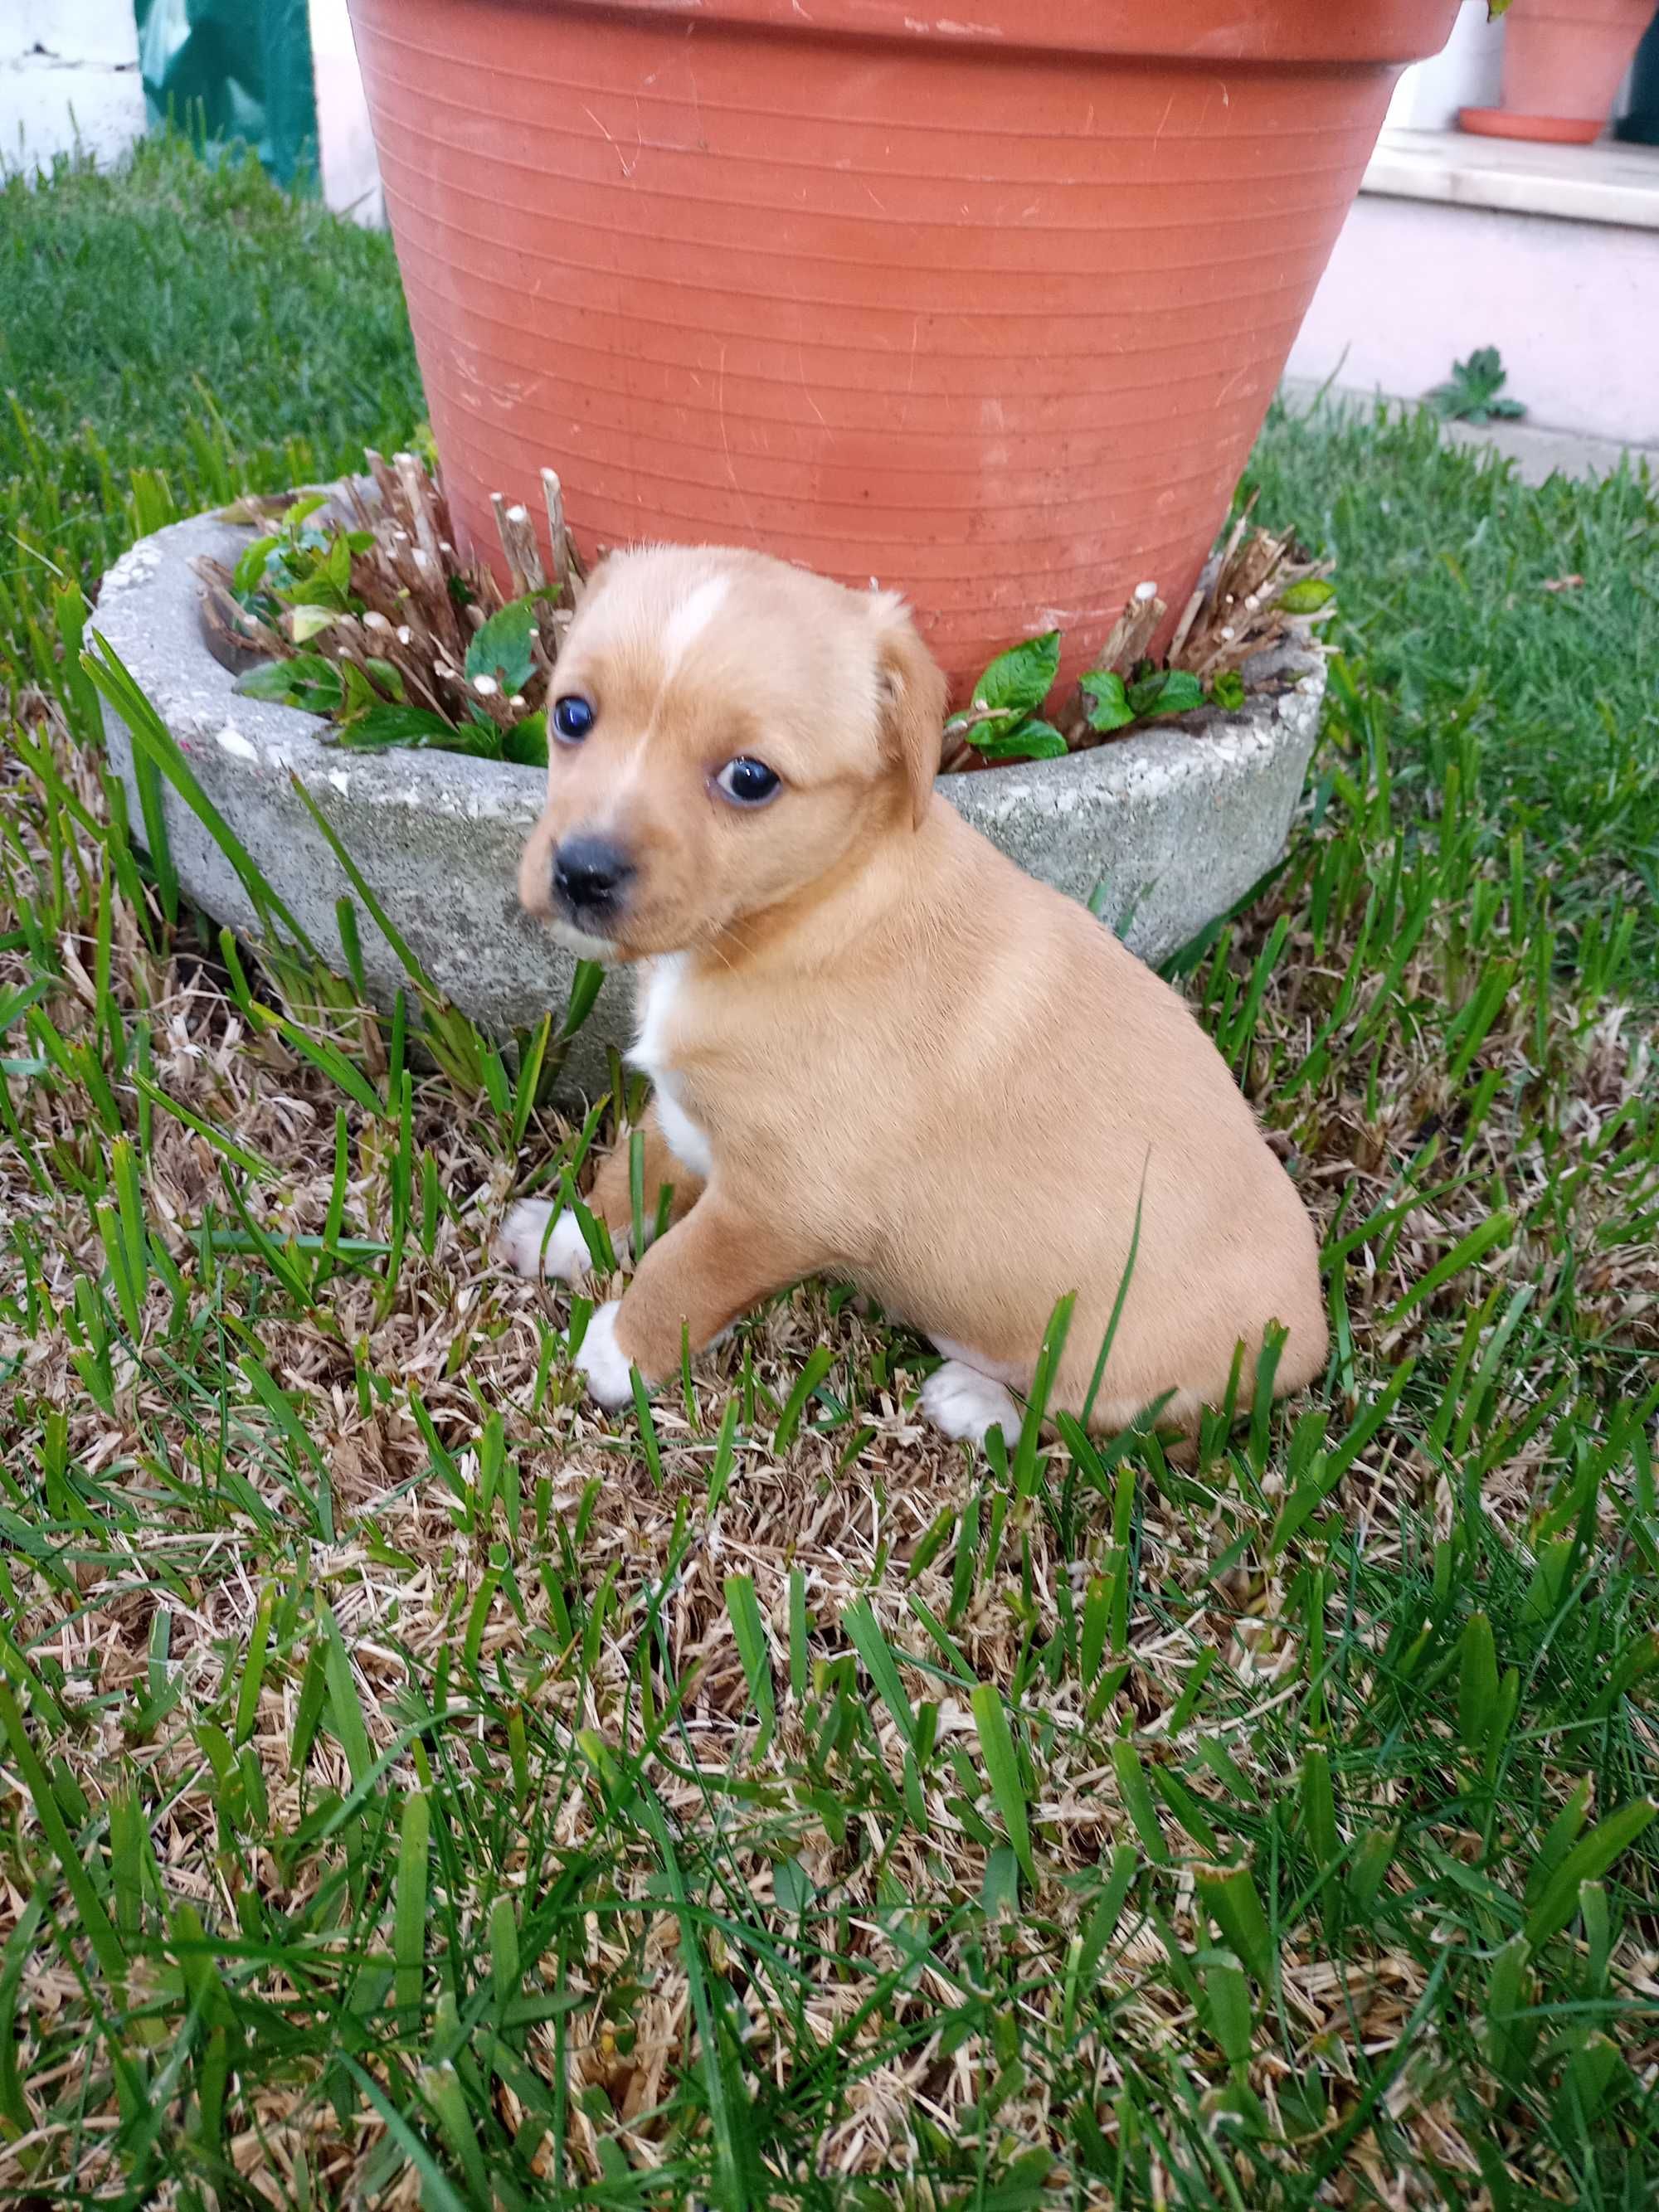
886, 1849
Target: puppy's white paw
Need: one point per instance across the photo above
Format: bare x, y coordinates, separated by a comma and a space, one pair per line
602, 1360
527, 1246
967, 1405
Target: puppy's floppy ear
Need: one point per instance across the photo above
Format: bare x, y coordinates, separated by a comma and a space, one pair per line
911, 700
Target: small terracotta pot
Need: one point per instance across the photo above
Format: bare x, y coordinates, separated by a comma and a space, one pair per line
1564, 61
990, 310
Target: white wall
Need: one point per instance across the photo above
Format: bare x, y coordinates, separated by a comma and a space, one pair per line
351, 175
1466, 74
69, 77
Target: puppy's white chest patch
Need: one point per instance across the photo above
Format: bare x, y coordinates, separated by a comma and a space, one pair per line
659, 997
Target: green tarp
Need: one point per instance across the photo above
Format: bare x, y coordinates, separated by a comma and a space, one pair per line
234, 69
1641, 124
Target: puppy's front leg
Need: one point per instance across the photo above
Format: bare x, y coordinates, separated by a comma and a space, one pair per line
612, 1195
709, 1269
533, 1242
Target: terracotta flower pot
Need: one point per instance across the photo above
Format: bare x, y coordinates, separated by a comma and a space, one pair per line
989, 310
1564, 61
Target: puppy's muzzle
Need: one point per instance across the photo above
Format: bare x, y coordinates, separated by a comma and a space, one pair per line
591, 877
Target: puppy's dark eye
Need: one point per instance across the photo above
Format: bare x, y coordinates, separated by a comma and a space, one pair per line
573, 717
747, 782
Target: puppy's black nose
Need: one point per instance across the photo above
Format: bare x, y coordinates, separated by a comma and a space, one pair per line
589, 871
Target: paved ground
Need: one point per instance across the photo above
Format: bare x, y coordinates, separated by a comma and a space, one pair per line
1538, 452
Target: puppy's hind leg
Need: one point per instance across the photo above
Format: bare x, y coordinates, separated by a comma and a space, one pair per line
967, 1403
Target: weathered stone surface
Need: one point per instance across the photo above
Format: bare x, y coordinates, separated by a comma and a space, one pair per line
1176, 823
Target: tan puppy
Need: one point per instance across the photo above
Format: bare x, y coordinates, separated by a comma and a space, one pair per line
880, 1050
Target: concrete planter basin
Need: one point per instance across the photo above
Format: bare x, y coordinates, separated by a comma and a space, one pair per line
1175, 824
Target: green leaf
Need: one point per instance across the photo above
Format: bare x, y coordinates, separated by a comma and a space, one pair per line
1228, 2003
269, 679
1165, 692
409, 1909
1308, 597
1587, 1862
585, 984
360, 694
319, 590
1319, 1805
749, 1632
1368, 1866
1510, 2034
1102, 1921
1227, 690
308, 681
792, 1888
819, 1364
478, 737
1477, 1687
437, 2194
526, 741
1137, 1796
19, 1952
1563, 1834
383, 726
999, 1894
441, 2087
1594, 2068
504, 1961
1231, 1901
1031, 740
729, 2118
1108, 700
1018, 681
250, 565
343, 1703
864, 1631
307, 622
1002, 1769
501, 649
155, 743
388, 677
95, 1923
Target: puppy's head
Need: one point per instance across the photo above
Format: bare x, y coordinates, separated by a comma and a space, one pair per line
724, 730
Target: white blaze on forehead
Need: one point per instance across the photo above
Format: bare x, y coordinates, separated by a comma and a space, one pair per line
689, 620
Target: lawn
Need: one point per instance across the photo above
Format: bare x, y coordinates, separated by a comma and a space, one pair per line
416, 1788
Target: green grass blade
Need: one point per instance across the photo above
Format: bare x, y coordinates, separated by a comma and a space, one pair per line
409, 1910
749, 1632
95, 1923
819, 1362
996, 1745
1587, 1862
863, 1631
